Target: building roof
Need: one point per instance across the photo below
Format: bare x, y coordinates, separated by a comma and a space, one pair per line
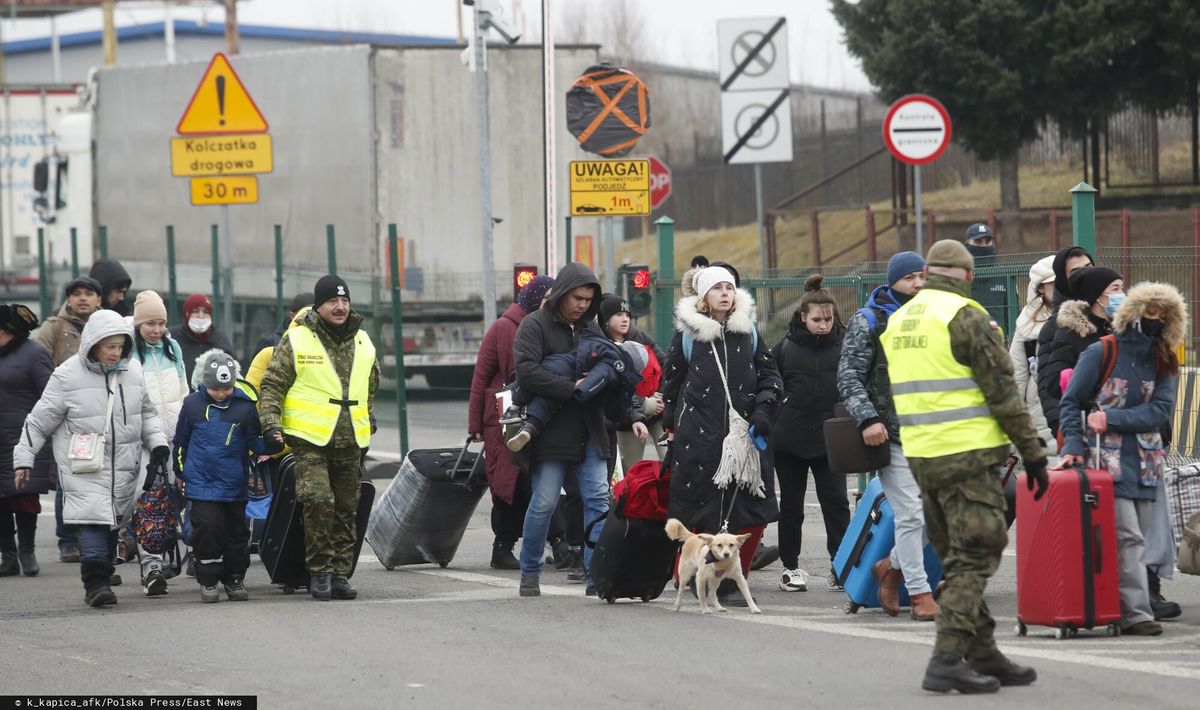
217, 29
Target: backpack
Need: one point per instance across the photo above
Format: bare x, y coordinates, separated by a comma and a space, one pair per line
156, 516
644, 492
689, 339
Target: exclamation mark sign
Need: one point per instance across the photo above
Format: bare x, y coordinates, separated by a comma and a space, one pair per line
221, 97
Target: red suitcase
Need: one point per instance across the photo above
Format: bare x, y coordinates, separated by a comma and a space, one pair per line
1067, 554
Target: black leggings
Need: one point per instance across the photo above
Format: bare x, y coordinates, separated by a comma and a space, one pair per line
792, 472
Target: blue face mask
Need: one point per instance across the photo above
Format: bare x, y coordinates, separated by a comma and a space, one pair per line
1114, 302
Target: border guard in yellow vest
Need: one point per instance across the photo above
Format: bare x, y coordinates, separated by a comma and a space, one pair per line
959, 411
318, 394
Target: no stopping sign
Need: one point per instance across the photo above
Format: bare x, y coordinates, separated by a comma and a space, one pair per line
917, 129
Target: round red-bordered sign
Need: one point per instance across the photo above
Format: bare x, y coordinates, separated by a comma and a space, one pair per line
917, 129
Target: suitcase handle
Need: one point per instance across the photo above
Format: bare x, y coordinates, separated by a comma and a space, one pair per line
458, 462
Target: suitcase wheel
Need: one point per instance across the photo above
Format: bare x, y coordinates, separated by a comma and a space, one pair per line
1064, 632
851, 608
1114, 630
389, 568
646, 598
289, 589
1022, 629
443, 564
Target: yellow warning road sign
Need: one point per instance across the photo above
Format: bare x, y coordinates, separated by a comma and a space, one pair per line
601, 188
230, 190
221, 104
221, 155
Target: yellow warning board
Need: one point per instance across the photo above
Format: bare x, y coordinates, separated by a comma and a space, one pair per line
221, 155
221, 104
602, 188
229, 190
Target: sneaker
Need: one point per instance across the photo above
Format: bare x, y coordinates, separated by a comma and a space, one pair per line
320, 587
209, 595
155, 584
522, 438
1143, 628
69, 555
235, 591
794, 580
102, 596
512, 415
529, 586
832, 584
340, 588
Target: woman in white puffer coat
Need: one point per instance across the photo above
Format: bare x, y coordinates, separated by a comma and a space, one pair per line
75, 401
166, 382
1023, 349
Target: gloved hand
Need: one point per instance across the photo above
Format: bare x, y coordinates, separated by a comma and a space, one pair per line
271, 446
1035, 472
760, 430
274, 433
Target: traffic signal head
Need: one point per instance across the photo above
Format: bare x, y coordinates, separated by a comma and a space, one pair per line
638, 288
522, 275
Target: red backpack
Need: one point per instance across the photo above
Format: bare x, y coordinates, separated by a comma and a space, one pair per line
644, 491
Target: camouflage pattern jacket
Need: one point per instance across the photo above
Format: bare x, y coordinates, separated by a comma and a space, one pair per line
977, 342
862, 377
281, 373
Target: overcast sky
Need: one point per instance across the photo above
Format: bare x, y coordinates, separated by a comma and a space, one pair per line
678, 32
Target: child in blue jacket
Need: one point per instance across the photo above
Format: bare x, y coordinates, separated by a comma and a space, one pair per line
216, 435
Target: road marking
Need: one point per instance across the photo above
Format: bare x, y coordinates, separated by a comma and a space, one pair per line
862, 631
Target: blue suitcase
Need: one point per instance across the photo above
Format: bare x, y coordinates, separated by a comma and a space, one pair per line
870, 538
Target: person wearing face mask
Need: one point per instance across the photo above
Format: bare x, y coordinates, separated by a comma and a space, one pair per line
196, 336
1066, 262
1099, 290
991, 293
1134, 402
808, 361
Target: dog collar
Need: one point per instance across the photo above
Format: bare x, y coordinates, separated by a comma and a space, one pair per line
709, 559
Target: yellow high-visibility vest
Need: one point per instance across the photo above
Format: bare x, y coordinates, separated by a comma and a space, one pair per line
315, 400
941, 409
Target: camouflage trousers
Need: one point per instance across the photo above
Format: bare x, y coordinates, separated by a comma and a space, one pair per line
964, 518
327, 486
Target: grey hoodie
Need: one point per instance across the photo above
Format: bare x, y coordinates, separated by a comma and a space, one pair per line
74, 401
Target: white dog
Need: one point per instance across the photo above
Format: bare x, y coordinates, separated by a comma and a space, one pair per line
709, 558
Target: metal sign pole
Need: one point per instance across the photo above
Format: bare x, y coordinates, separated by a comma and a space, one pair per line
226, 274
758, 211
917, 207
548, 98
485, 174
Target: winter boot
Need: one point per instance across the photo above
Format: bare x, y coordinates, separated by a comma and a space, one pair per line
26, 529
947, 672
888, 579
320, 587
96, 590
502, 555
9, 566
341, 588
1162, 608
1003, 670
924, 608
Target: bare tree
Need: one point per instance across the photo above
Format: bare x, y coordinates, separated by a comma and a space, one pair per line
618, 27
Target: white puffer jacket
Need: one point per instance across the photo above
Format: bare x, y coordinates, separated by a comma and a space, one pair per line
74, 401
166, 381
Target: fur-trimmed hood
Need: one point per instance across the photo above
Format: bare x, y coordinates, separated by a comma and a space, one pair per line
704, 328
1076, 316
687, 283
1168, 300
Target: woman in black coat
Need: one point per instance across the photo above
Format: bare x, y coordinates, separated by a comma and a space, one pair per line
715, 329
25, 367
808, 361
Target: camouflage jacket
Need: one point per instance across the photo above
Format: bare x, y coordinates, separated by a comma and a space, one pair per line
977, 342
862, 377
281, 373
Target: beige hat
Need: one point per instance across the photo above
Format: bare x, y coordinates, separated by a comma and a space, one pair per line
147, 307
950, 253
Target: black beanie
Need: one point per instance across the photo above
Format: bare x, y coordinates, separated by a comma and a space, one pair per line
329, 286
1090, 283
612, 305
17, 319
83, 282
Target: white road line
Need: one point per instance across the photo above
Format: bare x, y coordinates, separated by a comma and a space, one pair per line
862, 631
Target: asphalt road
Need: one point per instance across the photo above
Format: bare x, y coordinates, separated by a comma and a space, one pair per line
426, 637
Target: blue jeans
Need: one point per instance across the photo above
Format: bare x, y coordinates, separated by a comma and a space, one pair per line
547, 480
97, 543
65, 533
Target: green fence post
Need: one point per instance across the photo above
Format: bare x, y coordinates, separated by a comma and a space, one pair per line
1083, 216
664, 286
570, 246
398, 338
43, 286
74, 253
279, 273
216, 275
172, 288
331, 245
103, 242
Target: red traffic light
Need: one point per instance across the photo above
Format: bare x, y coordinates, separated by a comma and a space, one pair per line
641, 279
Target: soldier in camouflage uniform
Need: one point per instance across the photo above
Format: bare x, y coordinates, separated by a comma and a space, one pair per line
959, 408
325, 415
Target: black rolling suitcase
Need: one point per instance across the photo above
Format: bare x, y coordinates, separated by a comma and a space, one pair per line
633, 557
424, 512
282, 546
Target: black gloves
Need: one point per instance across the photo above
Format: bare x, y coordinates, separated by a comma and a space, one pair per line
269, 434
157, 466
160, 455
761, 423
1035, 471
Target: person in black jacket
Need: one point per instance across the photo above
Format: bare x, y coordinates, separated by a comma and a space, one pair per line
576, 440
808, 359
115, 281
1079, 324
1067, 261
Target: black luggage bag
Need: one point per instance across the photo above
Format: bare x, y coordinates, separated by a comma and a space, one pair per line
633, 559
